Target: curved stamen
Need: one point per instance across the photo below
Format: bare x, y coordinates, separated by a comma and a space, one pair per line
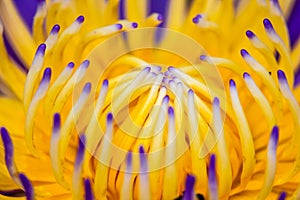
144, 191
29, 192
52, 37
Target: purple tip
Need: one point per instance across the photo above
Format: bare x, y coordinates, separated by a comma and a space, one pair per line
189, 188
27, 187
105, 83
141, 150
71, 65
246, 75
8, 147
109, 118
171, 111
129, 161
191, 92
134, 25
250, 34
80, 19
55, 29
203, 57
87, 87
212, 170
216, 101
195, 20
281, 75
80, 152
232, 83
41, 49
282, 196
166, 99
268, 25
171, 68
85, 63
275, 135
56, 123
88, 190
160, 17
119, 26
47, 75
244, 53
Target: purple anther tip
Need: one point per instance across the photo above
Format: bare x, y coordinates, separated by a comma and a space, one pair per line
80, 151
55, 29
80, 19
88, 190
109, 117
166, 98
8, 146
246, 75
191, 92
27, 187
41, 49
282, 196
281, 75
87, 87
134, 25
119, 26
85, 63
232, 83
71, 65
203, 57
160, 17
189, 187
275, 134
212, 165
250, 34
47, 75
141, 150
56, 123
216, 101
267, 24
171, 111
105, 83
244, 53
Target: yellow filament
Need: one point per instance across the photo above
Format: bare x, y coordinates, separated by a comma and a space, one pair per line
38, 27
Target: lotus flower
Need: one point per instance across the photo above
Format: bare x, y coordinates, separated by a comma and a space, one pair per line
153, 99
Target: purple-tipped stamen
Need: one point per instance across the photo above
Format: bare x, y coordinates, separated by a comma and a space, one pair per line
281, 76
27, 187
143, 160
71, 65
197, 18
105, 83
8, 147
212, 178
87, 87
232, 83
119, 26
47, 75
80, 152
191, 92
41, 49
109, 118
274, 137
244, 53
268, 25
55, 29
85, 63
88, 190
129, 162
160, 17
166, 99
250, 34
189, 188
216, 101
56, 123
134, 25
282, 196
171, 111
246, 75
80, 19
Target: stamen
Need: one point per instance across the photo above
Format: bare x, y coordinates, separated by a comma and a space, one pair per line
189, 188
29, 192
202, 22
9, 155
104, 156
70, 123
170, 185
154, 20
33, 74
68, 88
212, 179
260, 99
144, 191
54, 152
225, 178
88, 190
248, 150
77, 189
33, 109
52, 38
271, 164
126, 192
282, 196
